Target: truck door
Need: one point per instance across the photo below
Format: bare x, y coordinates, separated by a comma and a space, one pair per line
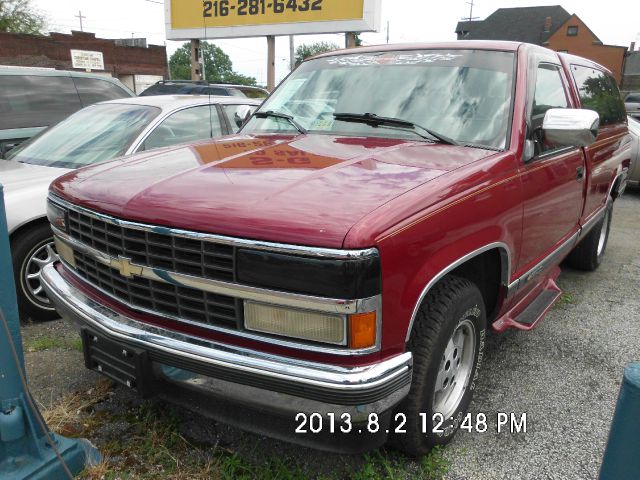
553, 179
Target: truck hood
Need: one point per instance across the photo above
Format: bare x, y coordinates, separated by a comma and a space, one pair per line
306, 190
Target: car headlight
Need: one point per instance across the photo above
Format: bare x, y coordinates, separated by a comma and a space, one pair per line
300, 324
57, 215
356, 331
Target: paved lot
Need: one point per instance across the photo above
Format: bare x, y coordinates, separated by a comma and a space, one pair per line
565, 376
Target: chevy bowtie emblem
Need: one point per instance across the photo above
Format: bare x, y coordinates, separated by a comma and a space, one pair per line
126, 268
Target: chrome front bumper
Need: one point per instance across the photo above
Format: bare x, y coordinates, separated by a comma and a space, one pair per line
283, 385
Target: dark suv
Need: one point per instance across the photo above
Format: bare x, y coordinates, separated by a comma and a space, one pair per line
34, 99
197, 87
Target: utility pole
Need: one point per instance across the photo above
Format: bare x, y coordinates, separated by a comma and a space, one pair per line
80, 16
292, 52
350, 40
195, 60
271, 63
471, 17
388, 24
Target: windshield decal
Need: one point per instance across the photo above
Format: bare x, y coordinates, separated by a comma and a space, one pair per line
416, 58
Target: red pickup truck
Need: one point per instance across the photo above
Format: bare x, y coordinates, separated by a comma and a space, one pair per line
328, 275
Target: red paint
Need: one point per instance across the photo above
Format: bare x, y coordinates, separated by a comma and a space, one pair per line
423, 206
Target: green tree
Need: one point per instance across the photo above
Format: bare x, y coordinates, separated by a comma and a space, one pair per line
218, 65
309, 50
19, 16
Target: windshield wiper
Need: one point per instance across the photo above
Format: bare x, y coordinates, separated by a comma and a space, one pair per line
284, 116
377, 121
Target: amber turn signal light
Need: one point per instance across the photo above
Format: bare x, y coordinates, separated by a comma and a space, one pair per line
362, 330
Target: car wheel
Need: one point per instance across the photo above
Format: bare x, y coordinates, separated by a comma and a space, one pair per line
31, 250
589, 253
447, 343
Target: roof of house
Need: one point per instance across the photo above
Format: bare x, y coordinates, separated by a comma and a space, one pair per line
522, 24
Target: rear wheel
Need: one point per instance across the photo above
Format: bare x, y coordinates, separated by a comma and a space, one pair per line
447, 343
31, 250
589, 253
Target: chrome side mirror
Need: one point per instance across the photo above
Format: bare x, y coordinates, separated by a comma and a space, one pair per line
571, 127
242, 115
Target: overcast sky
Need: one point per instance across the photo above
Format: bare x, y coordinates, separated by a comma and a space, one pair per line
410, 21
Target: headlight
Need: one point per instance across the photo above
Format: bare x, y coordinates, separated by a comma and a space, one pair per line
57, 215
356, 331
301, 324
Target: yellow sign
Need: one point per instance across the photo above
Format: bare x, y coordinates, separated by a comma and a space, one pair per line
197, 14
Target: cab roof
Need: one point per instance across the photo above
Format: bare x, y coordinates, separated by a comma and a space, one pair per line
455, 45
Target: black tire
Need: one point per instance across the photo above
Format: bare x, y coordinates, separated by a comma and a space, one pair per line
588, 254
447, 306
23, 246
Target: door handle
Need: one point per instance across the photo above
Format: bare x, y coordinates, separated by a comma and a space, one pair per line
579, 173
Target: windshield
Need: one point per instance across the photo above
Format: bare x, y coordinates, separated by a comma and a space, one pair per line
94, 134
462, 94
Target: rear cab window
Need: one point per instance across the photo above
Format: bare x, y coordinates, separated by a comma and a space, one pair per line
36, 100
599, 92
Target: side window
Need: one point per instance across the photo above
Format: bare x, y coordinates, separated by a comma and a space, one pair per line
189, 125
36, 101
549, 93
238, 115
600, 93
93, 90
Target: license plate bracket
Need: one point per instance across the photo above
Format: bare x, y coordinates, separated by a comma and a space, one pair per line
126, 365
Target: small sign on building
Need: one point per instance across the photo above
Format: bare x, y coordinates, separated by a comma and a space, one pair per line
87, 60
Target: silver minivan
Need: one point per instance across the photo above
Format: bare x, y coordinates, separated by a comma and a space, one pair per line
632, 104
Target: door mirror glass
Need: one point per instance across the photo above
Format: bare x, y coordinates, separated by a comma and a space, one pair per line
570, 127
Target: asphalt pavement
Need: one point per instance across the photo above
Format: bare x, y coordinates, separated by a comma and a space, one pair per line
565, 375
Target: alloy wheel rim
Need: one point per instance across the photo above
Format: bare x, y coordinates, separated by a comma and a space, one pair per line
454, 372
42, 255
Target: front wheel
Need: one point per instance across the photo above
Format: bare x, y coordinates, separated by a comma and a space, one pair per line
31, 250
447, 343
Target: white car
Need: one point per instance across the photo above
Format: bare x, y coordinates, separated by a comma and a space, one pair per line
95, 134
634, 171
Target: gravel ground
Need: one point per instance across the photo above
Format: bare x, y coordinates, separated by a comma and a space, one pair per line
565, 375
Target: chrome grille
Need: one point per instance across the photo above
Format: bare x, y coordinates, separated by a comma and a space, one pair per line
181, 255
161, 298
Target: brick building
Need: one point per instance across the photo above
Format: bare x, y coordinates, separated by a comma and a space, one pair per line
136, 66
552, 27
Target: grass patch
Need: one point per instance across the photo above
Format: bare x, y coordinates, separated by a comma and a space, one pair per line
385, 465
143, 440
565, 300
49, 343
